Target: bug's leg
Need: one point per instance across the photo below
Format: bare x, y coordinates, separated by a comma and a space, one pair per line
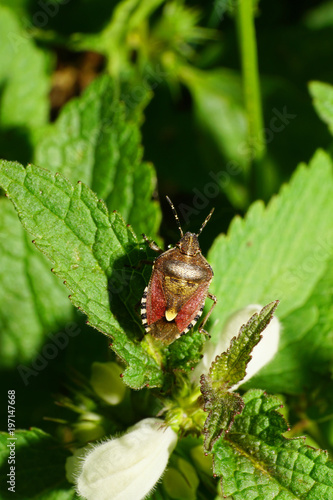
145, 262
214, 299
152, 244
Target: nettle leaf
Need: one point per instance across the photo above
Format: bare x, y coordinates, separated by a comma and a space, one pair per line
35, 451
226, 371
322, 94
32, 300
186, 352
279, 252
90, 251
230, 367
96, 137
24, 84
97, 140
222, 406
311, 326
256, 461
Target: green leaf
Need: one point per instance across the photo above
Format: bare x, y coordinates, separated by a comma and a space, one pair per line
24, 84
279, 252
39, 466
309, 334
222, 406
95, 141
322, 95
256, 461
218, 94
186, 352
230, 367
18, 6
27, 286
221, 91
90, 251
319, 17
226, 371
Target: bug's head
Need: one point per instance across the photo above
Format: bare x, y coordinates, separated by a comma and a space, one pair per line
189, 243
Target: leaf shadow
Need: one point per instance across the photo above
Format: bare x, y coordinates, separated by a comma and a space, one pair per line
126, 285
15, 141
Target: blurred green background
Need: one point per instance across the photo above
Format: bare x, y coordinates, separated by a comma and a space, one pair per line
166, 44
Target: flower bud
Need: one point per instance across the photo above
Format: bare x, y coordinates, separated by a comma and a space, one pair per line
129, 466
88, 428
106, 382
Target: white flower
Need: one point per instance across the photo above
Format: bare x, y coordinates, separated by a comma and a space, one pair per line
262, 353
128, 467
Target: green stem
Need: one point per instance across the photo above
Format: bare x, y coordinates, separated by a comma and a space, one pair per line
248, 49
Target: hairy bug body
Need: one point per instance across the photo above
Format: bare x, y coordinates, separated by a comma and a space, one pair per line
174, 299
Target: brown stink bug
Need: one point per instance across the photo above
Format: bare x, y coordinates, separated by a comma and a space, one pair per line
174, 299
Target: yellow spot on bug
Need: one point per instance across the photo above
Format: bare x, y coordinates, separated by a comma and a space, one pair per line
170, 314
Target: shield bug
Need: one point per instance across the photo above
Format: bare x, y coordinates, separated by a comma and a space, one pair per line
174, 299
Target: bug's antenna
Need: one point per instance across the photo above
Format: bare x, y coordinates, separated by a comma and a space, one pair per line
206, 220
176, 215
